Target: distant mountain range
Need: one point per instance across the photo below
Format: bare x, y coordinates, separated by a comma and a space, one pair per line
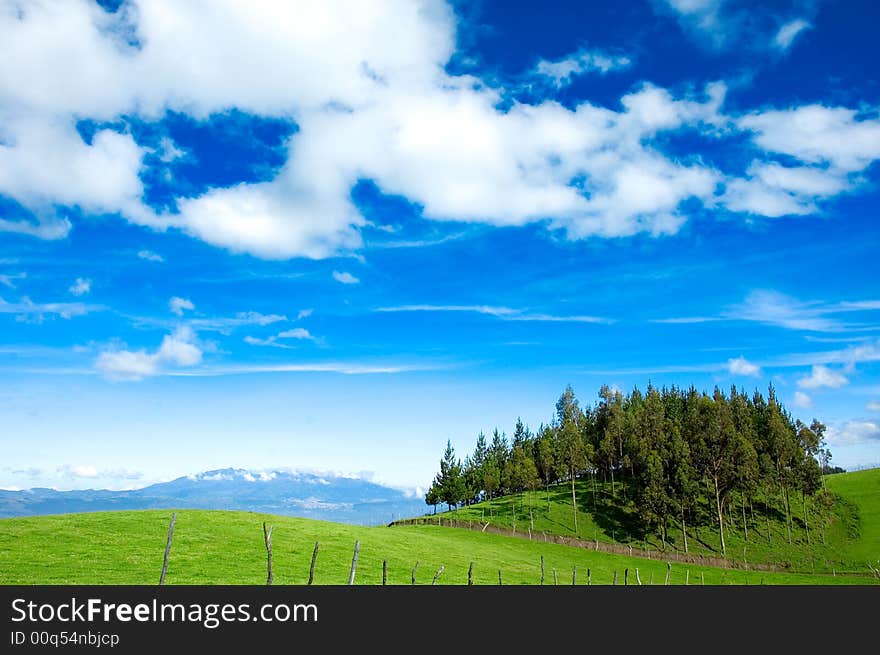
330, 498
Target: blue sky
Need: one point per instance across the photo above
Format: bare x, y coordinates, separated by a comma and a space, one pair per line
333, 236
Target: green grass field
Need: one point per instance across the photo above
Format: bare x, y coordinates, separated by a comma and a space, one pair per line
862, 489
842, 538
219, 547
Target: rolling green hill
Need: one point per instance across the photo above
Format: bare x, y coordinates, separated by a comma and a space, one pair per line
220, 547
843, 536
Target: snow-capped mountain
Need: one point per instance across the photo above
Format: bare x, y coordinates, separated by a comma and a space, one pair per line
327, 497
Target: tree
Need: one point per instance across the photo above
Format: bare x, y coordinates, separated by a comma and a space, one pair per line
720, 452
449, 481
432, 497
572, 447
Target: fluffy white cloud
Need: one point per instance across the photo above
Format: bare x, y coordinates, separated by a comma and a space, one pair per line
373, 72
802, 400
345, 278
831, 136
561, 71
853, 432
81, 286
178, 349
873, 406
789, 32
822, 376
773, 190
178, 305
742, 366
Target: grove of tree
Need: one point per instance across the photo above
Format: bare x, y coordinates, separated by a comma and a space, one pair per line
678, 455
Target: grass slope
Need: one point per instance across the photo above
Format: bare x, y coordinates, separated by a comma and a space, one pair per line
219, 547
861, 489
843, 540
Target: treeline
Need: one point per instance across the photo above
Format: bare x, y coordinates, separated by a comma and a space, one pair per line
678, 455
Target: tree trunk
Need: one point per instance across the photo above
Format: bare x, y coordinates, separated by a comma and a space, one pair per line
684, 531
745, 525
719, 507
612, 482
806, 524
787, 512
574, 505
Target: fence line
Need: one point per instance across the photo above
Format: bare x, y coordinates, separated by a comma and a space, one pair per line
619, 549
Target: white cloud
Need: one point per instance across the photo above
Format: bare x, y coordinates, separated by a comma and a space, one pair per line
853, 432
822, 376
741, 366
296, 333
177, 349
225, 325
177, 305
168, 150
77, 471
150, 256
802, 400
376, 73
27, 310
727, 24
789, 32
345, 278
81, 287
772, 190
304, 313
873, 406
504, 313
9, 280
833, 136
774, 308
300, 334
561, 71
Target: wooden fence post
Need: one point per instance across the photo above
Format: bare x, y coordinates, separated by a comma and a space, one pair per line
267, 537
614, 582
312, 567
555, 578
384, 572
437, 575
471, 574
687, 577
413, 575
638, 579
589, 578
574, 575
354, 562
167, 549
499, 577
542, 569
668, 571
625, 577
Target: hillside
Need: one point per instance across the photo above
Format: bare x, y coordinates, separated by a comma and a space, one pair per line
842, 537
221, 547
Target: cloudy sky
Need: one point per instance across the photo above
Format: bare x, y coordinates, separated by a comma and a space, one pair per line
333, 235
